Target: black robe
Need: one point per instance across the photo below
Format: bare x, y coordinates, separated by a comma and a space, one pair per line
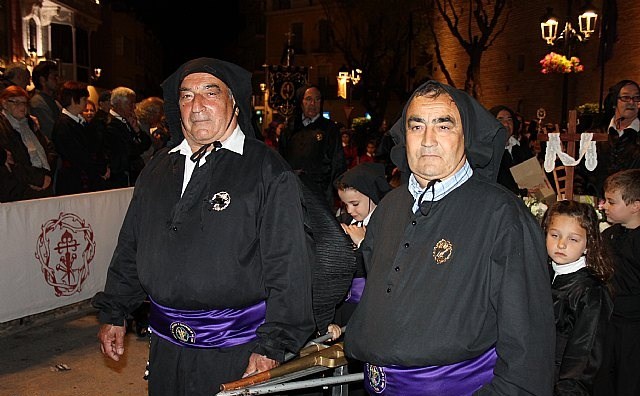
187, 255
582, 306
449, 286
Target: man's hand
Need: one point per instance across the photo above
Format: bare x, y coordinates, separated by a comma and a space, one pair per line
46, 182
111, 339
258, 364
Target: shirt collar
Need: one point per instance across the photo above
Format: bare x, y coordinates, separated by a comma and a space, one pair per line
440, 190
569, 268
306, 120
635, 125
118, 116
234, 143
77, 118
512, 141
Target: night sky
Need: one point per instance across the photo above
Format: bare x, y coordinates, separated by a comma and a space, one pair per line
188, 28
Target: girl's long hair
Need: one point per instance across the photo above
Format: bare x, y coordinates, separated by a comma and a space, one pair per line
597, 258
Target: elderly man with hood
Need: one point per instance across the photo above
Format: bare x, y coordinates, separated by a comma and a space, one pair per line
457, 300
203, 237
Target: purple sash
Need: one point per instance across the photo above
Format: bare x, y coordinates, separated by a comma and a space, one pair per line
219, 328
355, 292
458, 379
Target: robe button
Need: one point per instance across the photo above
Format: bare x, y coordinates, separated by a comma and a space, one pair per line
389, 290
414, 222
174, 228
397, 269
406, 245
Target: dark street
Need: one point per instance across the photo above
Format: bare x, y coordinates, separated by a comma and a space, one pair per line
61, 357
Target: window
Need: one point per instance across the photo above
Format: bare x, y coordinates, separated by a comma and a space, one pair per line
61, 43
281, 5
324, 36
298, 43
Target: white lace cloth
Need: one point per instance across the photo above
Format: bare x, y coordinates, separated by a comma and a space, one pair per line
587, 151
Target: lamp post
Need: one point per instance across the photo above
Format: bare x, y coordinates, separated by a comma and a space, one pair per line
346, 81
569, 38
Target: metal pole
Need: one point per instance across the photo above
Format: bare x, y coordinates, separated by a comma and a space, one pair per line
270, 389
568, 36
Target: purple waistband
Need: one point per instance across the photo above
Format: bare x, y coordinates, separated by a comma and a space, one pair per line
219, 328
458, 379
355, 292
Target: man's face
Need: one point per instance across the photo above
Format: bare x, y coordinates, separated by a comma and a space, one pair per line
126, 108
52, 81
435, 139
627, 110
311, 102
206, 108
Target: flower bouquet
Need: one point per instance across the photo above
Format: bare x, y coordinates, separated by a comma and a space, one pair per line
537, 207
556, 63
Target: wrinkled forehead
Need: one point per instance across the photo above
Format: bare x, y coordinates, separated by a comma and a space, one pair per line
629, 89
433, 109
202, 80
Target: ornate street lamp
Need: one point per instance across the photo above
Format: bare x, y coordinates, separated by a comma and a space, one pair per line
586, 23
346, 81
569, 37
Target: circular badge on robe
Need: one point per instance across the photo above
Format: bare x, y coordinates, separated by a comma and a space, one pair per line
319, 136
220, 201
183, 333
442, 251
376, 377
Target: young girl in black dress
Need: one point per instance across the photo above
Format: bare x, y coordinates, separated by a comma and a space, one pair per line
581, 271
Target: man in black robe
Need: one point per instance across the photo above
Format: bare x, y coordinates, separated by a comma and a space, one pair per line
457, 300
214, 235
312, 144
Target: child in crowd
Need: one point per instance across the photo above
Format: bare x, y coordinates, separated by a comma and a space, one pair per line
581, 296
622, 207
360, 189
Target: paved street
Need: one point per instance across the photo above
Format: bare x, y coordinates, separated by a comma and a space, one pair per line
30, 355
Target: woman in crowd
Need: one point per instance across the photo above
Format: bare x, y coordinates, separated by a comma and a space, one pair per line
33, 154
514, 152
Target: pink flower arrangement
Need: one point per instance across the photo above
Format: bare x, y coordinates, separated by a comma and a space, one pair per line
556, 63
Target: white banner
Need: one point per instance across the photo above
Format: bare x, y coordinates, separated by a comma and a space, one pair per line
56, 251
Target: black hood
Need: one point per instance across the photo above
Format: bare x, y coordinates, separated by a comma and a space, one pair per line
484, 136
235, 77
368, 178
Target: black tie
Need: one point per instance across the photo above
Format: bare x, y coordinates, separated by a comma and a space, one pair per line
195, 157
425, 207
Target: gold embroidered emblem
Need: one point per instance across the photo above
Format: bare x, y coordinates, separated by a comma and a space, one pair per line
442, 251
183, 333
319, 136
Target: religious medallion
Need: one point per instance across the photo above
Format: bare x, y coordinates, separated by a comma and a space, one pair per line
219, 201
376, 377
183, 333
442, 251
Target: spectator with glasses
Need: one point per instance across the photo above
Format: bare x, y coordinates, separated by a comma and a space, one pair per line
620, 120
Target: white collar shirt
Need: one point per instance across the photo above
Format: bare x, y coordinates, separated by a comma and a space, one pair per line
234, 143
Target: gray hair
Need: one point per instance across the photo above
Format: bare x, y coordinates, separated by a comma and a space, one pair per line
122, 95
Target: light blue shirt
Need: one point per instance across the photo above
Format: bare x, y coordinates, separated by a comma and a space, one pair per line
440, 190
